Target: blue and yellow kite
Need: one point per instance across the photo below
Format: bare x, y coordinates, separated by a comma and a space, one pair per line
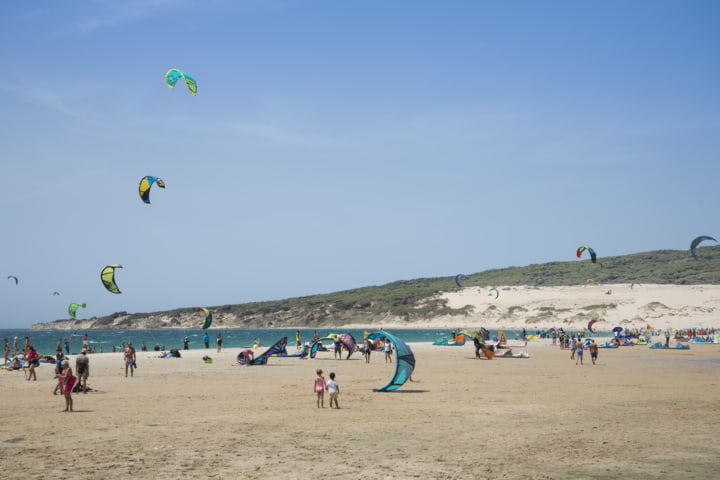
173, 75
146, 183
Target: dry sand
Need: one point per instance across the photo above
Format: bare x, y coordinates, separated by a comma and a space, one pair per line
638, 413
571, 307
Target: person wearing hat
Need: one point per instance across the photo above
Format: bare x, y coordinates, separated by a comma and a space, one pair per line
67, 380
82, 367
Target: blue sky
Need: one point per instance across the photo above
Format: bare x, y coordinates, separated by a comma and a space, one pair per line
335, 145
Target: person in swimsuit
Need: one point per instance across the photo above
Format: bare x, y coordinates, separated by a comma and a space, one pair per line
82, 367
579, 352
219, 342
368, 350
67, 380
338, 348
129, 356
319, 388
593, 351
33, 361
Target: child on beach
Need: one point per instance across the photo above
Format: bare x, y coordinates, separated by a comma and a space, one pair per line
319, 388
334, 390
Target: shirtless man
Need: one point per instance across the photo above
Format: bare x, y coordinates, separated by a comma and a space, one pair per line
82, 369
129, 357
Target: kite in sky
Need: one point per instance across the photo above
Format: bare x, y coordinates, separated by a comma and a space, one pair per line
208, 317
72, 308
173, 75
108, 278
593, 257
695, 243
14, 278
145, 185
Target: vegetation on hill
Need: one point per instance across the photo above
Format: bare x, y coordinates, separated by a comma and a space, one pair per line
377, 303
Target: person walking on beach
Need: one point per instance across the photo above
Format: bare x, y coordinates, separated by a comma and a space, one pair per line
206, 339
219, 342
334, 390
129, 356
67, 380
7, 352
368, 350
573, 344
298, 340
82, 367
388, 351
33, 362
579, 352
593, 348
319, 388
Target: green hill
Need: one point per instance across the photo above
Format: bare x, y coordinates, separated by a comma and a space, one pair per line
374, 304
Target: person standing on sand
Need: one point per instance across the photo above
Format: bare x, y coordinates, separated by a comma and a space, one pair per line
82, 367
319, 388
67, 380
298, 340
667, 338
334, 390
338, 348
579, 352
129, 356
7, 352
206, 339
593, 348
219, 342
368, 350
388, 351
573, 345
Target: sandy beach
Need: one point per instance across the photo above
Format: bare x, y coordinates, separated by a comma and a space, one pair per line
638, 413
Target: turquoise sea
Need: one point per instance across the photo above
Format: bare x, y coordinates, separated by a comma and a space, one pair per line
45, 341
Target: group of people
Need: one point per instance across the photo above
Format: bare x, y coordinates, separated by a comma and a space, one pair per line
320, 386
577, 348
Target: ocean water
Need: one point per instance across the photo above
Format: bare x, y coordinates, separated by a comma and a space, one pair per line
45, 341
